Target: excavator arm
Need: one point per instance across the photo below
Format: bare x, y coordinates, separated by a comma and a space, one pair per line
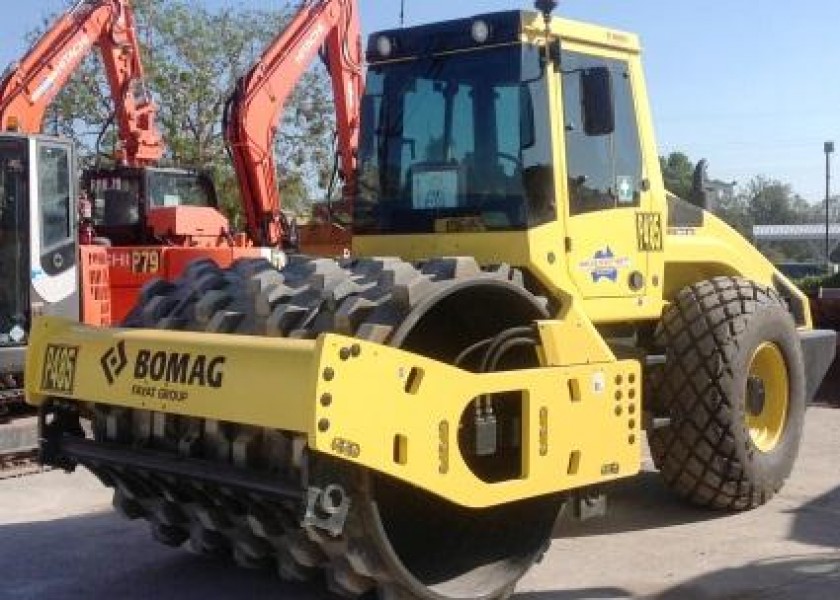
253, 111
30, 85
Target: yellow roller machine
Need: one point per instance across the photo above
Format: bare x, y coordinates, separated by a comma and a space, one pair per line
524, 299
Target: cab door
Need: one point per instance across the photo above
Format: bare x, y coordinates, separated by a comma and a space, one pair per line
607, 191
52, 214
14, 242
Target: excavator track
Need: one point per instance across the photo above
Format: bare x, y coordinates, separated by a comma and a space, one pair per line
267, 500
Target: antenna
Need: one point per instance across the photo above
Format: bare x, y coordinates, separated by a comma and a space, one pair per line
402, 13
546, 7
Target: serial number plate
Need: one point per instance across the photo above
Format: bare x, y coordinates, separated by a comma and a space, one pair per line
145, 261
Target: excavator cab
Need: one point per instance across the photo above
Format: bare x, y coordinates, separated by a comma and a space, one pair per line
38, 225
39, 251
123, 199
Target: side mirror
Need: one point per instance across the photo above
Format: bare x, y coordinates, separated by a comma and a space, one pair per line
596, 91
700, 186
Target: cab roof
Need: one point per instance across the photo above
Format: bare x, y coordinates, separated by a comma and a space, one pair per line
504, 28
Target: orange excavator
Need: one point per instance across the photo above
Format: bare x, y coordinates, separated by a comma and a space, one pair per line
253, 111
141, 221
145, 223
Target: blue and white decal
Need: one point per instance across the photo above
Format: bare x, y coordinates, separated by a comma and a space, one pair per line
605, 265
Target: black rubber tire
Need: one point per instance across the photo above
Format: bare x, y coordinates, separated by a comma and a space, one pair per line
388, 301
709, 334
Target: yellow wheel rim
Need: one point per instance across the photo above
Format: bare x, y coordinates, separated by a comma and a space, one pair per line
767, 396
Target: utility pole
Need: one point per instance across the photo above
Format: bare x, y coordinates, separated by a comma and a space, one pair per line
402, 14
829, 149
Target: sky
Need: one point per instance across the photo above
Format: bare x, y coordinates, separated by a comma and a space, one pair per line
754, 87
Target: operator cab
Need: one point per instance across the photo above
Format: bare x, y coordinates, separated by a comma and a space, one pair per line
124, 198
450, 136
522, 129
456, 134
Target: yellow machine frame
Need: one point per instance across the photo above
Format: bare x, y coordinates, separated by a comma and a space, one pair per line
396, 412
376, 406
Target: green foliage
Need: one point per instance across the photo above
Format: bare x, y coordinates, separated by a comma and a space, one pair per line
811, 284
762, 201
677, 173
193, 57
771, 202
736, 212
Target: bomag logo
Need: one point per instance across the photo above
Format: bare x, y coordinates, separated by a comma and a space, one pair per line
59, 375
114, 362
180, 368
166, 368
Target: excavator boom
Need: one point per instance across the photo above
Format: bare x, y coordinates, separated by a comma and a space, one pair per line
30, 85
254, 109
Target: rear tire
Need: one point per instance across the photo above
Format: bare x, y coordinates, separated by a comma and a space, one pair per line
733, 387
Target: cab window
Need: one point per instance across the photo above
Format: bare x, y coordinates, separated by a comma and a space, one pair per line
604, 171
54, 194
168, 189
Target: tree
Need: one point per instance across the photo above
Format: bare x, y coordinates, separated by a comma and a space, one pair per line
677, 173
193, 58
771, 202
763, 201
735, 211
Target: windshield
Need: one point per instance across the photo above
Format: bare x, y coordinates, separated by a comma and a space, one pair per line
116, 199
14, 242
177, 189
456, 143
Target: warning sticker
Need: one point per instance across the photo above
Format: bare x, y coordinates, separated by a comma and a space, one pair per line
59, 374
